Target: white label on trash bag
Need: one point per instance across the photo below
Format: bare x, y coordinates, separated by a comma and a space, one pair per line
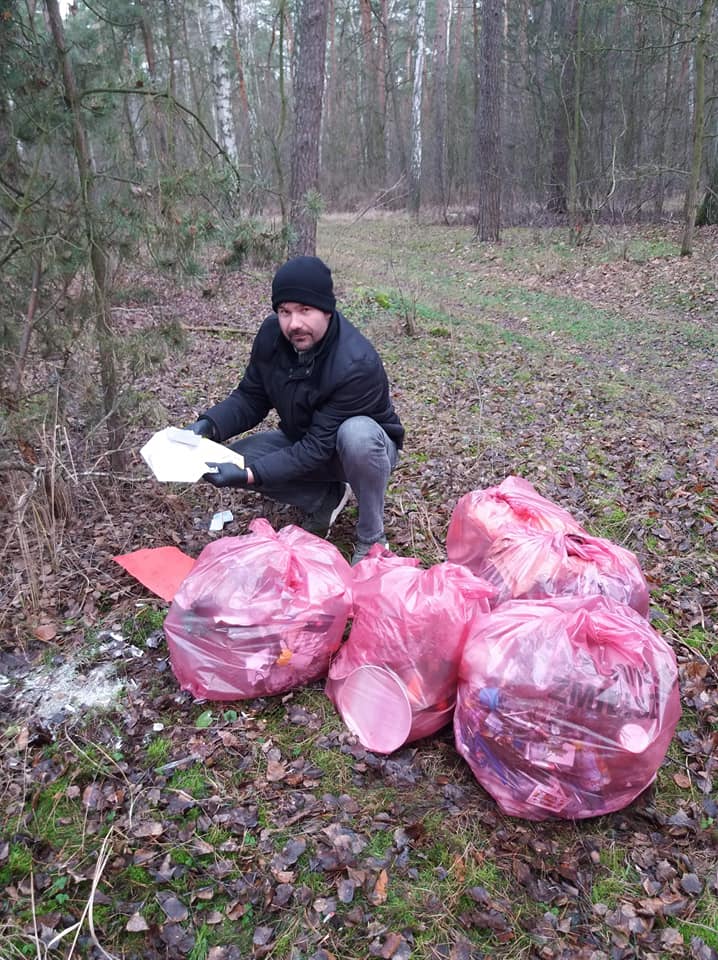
550, 797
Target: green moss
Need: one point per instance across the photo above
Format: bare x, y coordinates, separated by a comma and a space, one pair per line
56, 820
191, 780
145, 622
158, 751
137, 875
183, 856
703, 922
19, 864
380, 844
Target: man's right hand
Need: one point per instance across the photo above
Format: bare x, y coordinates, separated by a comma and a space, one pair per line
227, 475
202, 427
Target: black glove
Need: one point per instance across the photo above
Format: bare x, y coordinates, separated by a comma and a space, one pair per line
227, 475
202, 427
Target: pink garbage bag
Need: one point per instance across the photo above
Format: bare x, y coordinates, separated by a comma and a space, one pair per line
565, 707
259, 614
537, 564
483, 515
394, 680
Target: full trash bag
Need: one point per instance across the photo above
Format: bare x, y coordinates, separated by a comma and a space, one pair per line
480, 517
537, 564
529, 548
259, 614
565, 707
394, 680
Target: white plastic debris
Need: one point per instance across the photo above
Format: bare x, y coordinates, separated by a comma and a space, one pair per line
219, 520
180, 456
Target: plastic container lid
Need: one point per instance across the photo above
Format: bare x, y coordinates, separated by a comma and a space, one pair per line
375, 706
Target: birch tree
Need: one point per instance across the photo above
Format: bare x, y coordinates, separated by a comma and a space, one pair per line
416, 100
441, 46
217, 34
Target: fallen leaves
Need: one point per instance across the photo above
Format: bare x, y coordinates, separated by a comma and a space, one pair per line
379, 893
294, 824
276, 771
174, 909
136, 924
148, 828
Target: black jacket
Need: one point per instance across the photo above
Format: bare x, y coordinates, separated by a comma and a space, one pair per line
344, 378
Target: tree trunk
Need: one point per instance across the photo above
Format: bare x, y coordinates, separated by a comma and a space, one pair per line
392, 87
276, 137
698, 127
636, 112
441, 46
708, 212
159, 127
98, 256
239, 46
663, 131
138, 153
308, 96
416, 98
188, 61
29, 323
373, 84
574, 137
564, 28
222, 100
476, 37
489, 112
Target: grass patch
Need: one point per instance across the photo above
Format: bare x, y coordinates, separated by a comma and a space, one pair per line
202, 943
703, 923
58, 821
612, 521
703, 640
192, 781
159, 750
506, 374
19, 864
618, 879
147, 621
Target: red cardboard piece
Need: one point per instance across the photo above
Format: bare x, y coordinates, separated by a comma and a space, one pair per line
160, 569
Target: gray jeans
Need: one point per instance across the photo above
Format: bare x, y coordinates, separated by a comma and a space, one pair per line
364, 458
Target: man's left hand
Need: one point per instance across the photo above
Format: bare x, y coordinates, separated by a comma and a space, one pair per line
227, 475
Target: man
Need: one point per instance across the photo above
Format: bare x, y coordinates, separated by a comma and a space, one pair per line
338, 430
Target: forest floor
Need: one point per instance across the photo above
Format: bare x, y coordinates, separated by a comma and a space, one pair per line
139, 822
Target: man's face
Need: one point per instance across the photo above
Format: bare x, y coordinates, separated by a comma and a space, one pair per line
303, 326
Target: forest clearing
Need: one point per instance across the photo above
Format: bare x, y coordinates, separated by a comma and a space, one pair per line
140, 823
518, 200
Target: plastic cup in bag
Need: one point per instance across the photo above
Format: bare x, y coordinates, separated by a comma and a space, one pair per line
375, 706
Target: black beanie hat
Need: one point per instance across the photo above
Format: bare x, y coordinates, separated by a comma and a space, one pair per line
305, 280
